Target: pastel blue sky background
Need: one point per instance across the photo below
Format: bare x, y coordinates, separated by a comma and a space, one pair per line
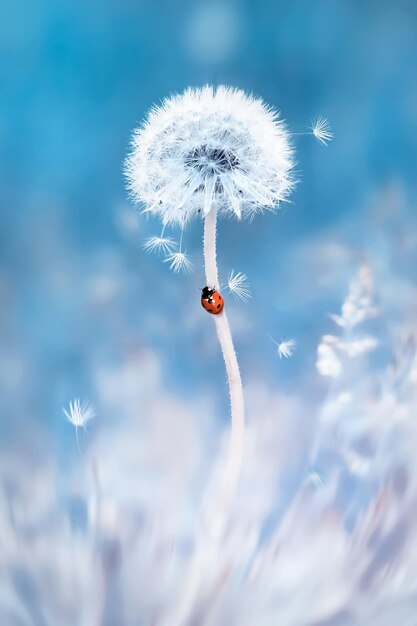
85, 312
77, 290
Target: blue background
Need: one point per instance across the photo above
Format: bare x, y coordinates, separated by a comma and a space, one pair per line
76, 289
85, 312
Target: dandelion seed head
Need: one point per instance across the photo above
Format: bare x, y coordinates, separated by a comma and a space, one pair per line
322, 131
159, 244
210, 147
238, 286
78, 414
179, 262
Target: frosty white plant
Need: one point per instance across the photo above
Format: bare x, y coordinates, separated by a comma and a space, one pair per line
212, 151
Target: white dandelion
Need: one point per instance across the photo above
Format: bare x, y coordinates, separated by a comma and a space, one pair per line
322, 131
285, 349
205, 152
78, 414
166, 245
210, 147
179, 262
238, 286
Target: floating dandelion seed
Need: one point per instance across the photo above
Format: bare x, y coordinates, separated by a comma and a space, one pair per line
166, 245
78, 415
322, 131
238, 286
285, 349
179, 262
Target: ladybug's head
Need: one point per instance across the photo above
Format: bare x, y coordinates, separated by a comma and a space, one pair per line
206, 292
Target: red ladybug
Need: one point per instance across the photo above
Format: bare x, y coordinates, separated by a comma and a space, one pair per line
212, 301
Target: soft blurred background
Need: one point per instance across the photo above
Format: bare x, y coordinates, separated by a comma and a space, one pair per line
322, 531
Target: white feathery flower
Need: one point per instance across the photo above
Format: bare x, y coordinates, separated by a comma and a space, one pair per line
179, 262
285, 349
210, 147
238, 286
78, 414
322, 131
159, 244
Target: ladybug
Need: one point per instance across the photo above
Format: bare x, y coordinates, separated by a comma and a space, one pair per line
212, 301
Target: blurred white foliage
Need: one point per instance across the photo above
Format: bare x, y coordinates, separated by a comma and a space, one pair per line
328, 363
322, 531
357, 308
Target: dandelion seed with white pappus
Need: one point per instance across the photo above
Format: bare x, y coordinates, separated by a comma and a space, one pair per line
166, 245
79, 414
285, 349
322, 131
179, 262
238, 286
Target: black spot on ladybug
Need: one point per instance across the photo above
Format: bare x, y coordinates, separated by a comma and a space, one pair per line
218, 306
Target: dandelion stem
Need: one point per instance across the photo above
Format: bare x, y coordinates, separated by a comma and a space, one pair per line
182, 234
234, 457
208, 543
76, 437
